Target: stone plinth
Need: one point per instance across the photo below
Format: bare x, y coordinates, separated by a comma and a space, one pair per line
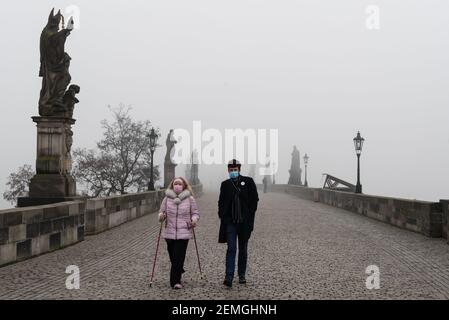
52, 182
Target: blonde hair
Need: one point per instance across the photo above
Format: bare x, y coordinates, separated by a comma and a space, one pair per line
185, 183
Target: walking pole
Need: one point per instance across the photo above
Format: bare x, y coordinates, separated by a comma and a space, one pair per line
196, 246
197, 254
155, 256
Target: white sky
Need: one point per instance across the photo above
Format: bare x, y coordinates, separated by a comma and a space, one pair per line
310, 69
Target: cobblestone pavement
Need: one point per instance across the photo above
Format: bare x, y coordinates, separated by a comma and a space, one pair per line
299, 250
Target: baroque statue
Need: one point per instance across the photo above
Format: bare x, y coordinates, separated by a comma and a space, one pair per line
170, 143
55, 100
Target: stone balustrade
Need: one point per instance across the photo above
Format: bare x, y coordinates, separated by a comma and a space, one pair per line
105, 213
428, 218
30, 231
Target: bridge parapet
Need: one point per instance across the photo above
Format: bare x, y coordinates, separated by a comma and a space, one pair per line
30, 231
106, 213
445, 218
428, 218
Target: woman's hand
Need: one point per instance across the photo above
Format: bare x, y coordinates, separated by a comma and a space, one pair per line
162, 216
191, 224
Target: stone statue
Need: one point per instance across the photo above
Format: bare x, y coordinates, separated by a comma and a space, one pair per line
194, 180
54, 69
70, 100
267, 177
169, 165
170, 143
53, 181
252, 171
295, 169
67, 168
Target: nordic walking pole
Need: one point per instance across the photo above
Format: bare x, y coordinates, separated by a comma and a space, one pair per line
197, 254
155, 256
196, 246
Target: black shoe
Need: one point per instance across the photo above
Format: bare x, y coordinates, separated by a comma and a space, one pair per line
227, 283
242, 280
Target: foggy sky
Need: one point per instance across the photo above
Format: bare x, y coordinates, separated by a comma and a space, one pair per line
310, 69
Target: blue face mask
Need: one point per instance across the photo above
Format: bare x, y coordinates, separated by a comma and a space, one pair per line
233, 174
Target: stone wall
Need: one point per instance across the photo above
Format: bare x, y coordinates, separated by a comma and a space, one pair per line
298, 191
30, 231
106, 213
419, 216
445, 218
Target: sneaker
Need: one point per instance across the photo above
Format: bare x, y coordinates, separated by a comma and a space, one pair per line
227, 283
178, 286
242, 280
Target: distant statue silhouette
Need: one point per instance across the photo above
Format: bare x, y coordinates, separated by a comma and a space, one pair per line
295, 169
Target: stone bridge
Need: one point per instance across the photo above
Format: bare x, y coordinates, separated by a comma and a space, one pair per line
300, 249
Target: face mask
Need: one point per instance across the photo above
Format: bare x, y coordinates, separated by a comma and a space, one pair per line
177, 188
233, 174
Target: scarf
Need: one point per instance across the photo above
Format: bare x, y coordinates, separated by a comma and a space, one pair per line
236, 208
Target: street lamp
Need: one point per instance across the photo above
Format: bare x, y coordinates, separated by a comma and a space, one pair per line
358, 144
153, 139
306, 161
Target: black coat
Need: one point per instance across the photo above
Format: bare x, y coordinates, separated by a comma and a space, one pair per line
248, 200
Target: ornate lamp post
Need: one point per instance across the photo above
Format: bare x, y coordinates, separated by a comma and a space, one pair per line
358, 144
306, 161
153, 139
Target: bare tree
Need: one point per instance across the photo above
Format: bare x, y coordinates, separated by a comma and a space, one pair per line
18, 182
118, 166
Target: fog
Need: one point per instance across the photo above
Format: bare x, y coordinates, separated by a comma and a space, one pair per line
310, 69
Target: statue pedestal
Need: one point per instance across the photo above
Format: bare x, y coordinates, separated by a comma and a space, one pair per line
169, 172
194, 175
52, 182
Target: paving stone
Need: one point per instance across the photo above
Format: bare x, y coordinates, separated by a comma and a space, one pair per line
299, 250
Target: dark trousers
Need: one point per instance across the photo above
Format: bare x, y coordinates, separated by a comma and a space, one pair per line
177, 252
234, 233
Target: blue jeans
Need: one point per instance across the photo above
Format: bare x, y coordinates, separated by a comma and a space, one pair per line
234, 231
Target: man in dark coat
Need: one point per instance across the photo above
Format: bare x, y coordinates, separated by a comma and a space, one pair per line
237, 206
